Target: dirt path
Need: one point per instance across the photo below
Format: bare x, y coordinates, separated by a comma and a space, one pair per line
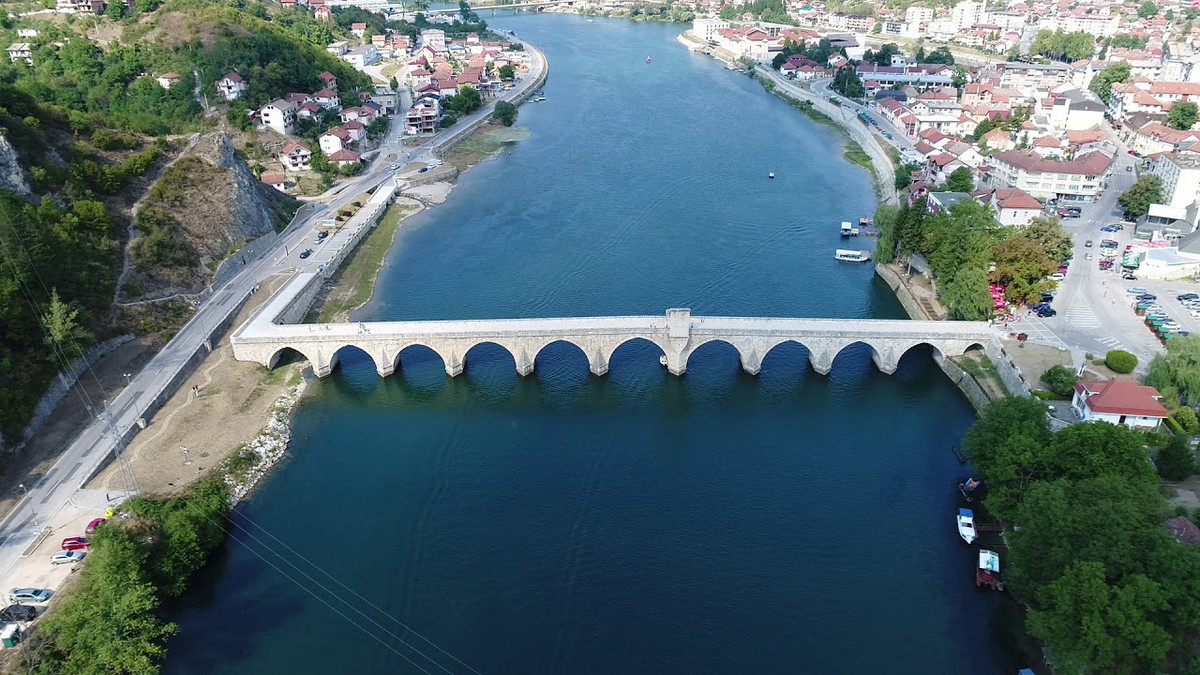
234, 403
127, 255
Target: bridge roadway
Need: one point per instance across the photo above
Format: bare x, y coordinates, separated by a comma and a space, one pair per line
677, 333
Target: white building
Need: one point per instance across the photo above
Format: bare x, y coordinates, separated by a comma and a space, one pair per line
1119, 402
966, 14
1101, 24
361, 57
1080, 179
295, 156
232, 86
1180, 174
280, 115
20, 51
915, 21
435, 39
706, 29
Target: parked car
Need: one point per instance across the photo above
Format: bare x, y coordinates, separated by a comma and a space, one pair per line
1087, 256
1146, 297
1057, 276
96, 522
1130, 276
422, 169
1187, 296
29, 594
1046, 312
1088, 243
1129, 168
1047, 296
1137, 290
19, 613
305, 253
1171, 325
66, 557
74, 543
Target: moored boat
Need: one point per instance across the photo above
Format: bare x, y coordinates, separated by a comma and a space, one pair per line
849, 255
647, 59
966, 525
987, 575
771, 174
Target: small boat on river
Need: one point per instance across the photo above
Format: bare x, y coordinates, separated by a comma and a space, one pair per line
966, 525
647, 59
849, 255
771, 174
848, 230
987, 575
968, 488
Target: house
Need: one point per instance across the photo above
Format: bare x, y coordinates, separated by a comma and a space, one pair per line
275, 180
343, 157
327, 99
943, 201
338, 48
280, 115
166, 80
309, 110
231, 86
423, 117
27, 33
1180, 174
328, 79
1080, 179
295, 156
333, 140
361, 114
435, 39
356, 129
79, 6
385, 98
1013, 207
359, 29
323, 13
20, 51
361, 57
1118, 402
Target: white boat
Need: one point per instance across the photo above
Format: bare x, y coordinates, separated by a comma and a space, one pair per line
966, 525
849, 255
771, 174
847, 228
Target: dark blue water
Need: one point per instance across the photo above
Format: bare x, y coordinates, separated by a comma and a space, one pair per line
638, 522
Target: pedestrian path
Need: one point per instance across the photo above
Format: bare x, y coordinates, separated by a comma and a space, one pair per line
1080, 315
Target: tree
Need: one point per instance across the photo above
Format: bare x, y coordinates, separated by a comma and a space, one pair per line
941, 55
1147, 9
920, 56
1120, 361
1060, 380
115, 10
960, 180
1182, 115
847, 83
885, 219
466, 101
505, 113
1177, 460
1102, 83
61, 323
960, 77
506, 72
1004, 444
1137, 199
1048, 232
1178, 370
1021, 266
1186, 416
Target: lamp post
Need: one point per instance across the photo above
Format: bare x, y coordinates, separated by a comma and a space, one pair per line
25, 493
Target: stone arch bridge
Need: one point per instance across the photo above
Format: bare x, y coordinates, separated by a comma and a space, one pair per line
678, 334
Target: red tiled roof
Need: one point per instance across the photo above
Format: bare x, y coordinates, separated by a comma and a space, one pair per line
294, 146
344, 155
1014, 198
1118, 397
273, 178
1091, 164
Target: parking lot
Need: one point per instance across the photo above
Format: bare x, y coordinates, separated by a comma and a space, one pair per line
1094, 311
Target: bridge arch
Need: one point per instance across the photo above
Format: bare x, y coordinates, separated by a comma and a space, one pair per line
286, 352
565, 348
882, 361
777, 350
488, 351
418, 351
599, 360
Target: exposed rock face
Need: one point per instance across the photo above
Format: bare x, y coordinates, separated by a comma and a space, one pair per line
254, 205
12, 176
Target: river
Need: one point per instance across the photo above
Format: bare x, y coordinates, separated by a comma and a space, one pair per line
635, 523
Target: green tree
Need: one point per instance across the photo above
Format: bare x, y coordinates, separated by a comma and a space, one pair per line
1021, 265
1102, 83
1120, 361
1137, 199
1048, 232
885, 219
1186, 416
941, 55
960, 180
61, 323
960, 77
847, 83
1178, 369
1005, 444
1182, 115
506, 72
1147, 9
466, 101
1177, 460
1060, 380
115, 10
505, 113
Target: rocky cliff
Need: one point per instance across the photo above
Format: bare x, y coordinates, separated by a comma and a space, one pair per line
12, 176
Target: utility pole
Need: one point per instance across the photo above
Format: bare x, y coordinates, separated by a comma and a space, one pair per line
25, 493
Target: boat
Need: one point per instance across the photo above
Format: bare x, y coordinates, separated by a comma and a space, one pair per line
591, 20
987, 575
647, 59
849, 255
848, 230
771, 174
962, 459
966, 525
968, 489
662, 360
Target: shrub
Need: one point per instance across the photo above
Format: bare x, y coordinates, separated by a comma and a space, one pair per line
1176, 461
1174, 426
1186, 416
1120, 361
1060, 380
1043, 394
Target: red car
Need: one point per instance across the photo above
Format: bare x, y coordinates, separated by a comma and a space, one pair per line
96, 522
74, 543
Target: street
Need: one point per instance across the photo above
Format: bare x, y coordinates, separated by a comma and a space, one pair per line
94, 445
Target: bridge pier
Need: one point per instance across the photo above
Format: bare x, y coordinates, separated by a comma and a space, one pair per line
751, 363
524, 364
598, 363
454, 365
822, 362
886, 362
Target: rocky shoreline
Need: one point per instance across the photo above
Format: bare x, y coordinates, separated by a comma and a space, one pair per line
265, 450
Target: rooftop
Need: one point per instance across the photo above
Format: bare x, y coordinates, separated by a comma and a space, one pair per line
1119, 397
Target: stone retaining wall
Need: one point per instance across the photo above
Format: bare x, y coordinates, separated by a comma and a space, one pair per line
966, 384
903, 294
62, 384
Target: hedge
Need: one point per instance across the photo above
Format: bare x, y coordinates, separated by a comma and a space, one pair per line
1120, 361
1174, 426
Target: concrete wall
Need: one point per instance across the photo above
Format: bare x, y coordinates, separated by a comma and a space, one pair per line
966, 383
62, 384
1014, 381
907, 299
438, 175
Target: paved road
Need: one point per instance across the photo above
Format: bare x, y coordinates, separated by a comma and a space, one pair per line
91, 449
898, 140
